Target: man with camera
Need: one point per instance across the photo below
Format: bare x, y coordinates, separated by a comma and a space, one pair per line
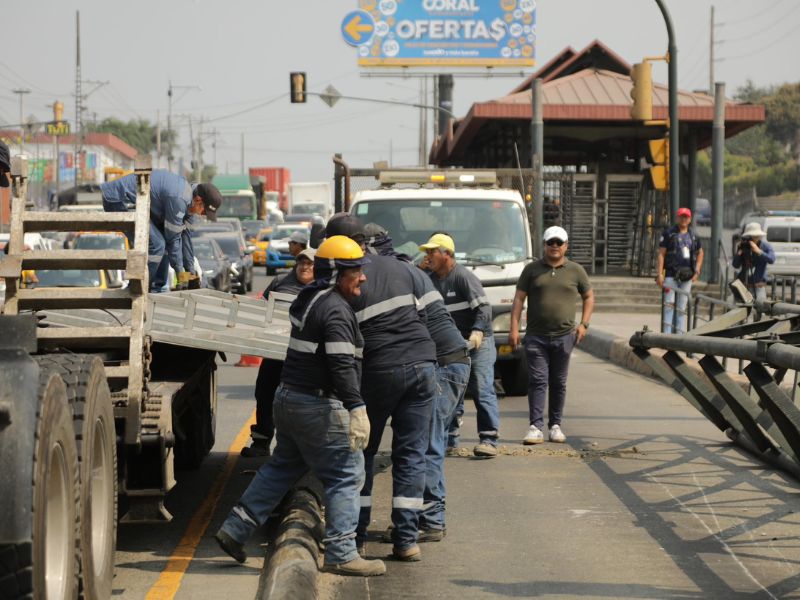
752, 257
678, 264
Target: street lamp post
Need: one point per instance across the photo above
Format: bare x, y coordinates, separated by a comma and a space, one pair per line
674, 125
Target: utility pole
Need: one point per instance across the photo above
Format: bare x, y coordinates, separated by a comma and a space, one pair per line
200, 150
242, 151
158, 139
193, 162
169, 127
537, 160
711, 55
717, 174
445, 102
21, 93
78, 96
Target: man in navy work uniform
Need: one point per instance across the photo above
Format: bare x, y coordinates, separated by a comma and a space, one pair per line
467, 303
320, 419
452, 376
678, 265
398, 381
552, 286
172, 202
269, 371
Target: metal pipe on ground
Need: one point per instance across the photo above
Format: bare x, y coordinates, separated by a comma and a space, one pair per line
292, 564
776, 354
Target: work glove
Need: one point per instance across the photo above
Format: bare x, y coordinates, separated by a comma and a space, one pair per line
359, 428
194, 282
184, 277
476, 339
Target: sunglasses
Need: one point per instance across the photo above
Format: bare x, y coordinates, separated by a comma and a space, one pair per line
555, 242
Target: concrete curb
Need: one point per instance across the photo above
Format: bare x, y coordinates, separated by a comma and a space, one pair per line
616, 350
291, 569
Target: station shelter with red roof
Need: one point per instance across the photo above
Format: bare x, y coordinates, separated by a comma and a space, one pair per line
595, 154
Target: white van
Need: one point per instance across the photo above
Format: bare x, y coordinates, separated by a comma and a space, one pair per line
489, 226
783, 233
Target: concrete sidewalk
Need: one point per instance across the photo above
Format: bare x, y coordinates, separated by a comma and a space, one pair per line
646, 500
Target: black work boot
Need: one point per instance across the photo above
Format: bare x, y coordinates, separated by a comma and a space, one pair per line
230, 546
259, 447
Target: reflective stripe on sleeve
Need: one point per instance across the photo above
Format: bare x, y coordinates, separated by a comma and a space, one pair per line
366, 501
476, 302
340, 348
154, 258
174, 228
408, 503
385, 306
457, 306
303, 345
429, 298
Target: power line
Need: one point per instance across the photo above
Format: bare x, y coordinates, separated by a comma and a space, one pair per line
247, 110
763, 29
754, 16
759, 50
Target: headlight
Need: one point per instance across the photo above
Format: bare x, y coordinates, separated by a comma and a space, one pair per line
502, 322
209, 271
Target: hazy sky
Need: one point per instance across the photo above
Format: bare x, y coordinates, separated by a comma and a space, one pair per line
241, 51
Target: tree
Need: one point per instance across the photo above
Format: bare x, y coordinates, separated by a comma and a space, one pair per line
783, 117
139, 133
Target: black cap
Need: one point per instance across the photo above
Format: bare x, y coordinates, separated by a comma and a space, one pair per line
5, 163
211, 198
348, 225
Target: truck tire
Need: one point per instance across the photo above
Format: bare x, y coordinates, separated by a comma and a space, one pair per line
56, 495
250, 281
514, 376
93, 422
195, 424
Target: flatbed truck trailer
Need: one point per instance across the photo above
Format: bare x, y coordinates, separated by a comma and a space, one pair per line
103, 393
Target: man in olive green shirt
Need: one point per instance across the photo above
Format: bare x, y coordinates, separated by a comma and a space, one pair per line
552, 287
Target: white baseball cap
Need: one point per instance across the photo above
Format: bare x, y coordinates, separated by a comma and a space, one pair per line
555, 232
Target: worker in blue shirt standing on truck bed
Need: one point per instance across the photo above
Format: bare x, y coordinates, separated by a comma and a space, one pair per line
467, 303
172, 203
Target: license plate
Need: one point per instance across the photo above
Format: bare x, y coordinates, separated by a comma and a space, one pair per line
505, 349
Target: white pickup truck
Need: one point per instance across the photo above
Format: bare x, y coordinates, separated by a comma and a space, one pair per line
489, 226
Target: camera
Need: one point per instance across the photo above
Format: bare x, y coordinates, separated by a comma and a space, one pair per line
744, 245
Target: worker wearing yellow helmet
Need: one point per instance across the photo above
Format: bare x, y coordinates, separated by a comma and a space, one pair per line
320, 418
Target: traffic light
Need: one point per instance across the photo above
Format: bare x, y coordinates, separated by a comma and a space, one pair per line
659, 159
297, 87
642, 92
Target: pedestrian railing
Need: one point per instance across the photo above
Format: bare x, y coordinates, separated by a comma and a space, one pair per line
768, 424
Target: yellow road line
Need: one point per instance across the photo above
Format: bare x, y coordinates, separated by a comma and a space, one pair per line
170, 579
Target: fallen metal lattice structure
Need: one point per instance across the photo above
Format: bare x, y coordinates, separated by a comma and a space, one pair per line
764, 420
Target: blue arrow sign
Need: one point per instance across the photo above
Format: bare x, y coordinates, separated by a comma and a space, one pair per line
358, 27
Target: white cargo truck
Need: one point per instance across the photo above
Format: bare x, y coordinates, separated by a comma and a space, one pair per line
311, 198
488, 224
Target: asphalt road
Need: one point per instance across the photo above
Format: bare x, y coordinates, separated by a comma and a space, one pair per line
143, 566
645, 500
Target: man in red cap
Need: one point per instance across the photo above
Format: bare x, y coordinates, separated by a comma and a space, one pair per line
678, 264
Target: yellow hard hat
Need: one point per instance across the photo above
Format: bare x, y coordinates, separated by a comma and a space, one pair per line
439, 240
339, 247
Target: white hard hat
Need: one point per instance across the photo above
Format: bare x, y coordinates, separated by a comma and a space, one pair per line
555, 232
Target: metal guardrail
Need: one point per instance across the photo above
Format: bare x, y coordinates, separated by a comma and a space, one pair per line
767, 426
